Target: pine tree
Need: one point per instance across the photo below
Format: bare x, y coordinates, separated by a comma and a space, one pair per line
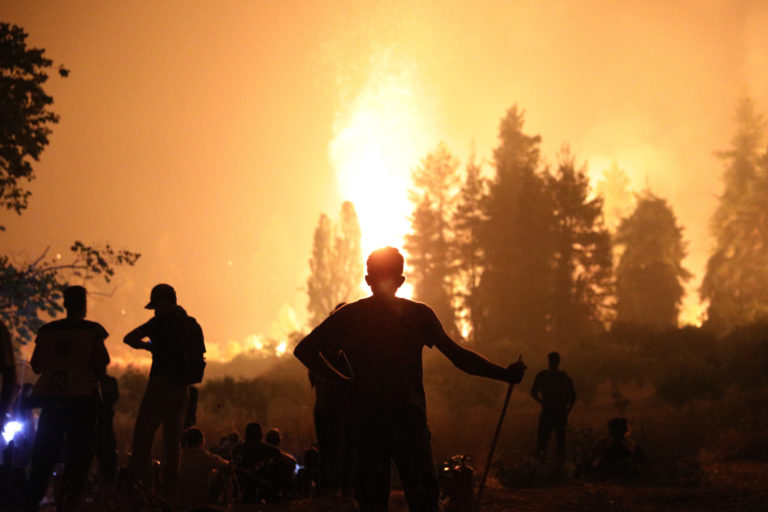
429, 243
336, 264
737, 270
348, 254
650, 275
467, 223
516, 239
582, 261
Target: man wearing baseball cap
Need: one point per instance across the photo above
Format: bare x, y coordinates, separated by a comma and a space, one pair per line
168, 335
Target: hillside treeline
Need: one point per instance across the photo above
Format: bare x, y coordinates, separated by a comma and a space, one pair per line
520, 256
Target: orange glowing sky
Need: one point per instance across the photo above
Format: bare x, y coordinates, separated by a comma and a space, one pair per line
210, 136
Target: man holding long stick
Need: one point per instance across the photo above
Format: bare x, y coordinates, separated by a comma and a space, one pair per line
383, 337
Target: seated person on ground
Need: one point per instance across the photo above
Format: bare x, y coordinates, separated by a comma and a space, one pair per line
616, 453
254, 462
197, 470
285, 464
308, 477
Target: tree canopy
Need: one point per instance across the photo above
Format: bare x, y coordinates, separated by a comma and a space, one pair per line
30, 291
430, 243
26, 117
737, 270
336, 264
650, 277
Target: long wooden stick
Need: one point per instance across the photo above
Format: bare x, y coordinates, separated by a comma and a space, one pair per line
493, 447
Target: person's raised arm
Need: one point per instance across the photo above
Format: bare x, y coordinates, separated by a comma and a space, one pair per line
308, 352
475, 364
136, 338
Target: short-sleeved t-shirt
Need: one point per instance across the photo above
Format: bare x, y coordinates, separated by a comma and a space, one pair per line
69, 355
383, 340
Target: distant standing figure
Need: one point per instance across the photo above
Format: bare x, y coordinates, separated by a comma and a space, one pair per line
554, 390
71, 358
175, 340
383, 337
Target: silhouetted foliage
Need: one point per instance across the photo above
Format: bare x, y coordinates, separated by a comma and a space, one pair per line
737, 271
516, 240
650, 275
682, 364
336, 265
583, 270
429, 244
31, 291
467, 223
25, 114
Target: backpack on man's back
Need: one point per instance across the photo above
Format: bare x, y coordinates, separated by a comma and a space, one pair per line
192, 353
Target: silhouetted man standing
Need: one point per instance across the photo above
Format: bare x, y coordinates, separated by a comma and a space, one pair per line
70, 357
554, 390
167, 336
383, 337
8, 370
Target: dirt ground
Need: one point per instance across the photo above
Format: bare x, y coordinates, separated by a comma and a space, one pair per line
732, 487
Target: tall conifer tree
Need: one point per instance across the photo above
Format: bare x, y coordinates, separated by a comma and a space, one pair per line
650, 275
582, 262
336, 264
467, 224
516, 239
737, 271
429, 244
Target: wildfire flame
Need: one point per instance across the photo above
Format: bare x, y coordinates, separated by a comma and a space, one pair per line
379, 136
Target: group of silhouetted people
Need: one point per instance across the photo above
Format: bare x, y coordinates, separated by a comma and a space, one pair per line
365, 363
76, 399
255, 470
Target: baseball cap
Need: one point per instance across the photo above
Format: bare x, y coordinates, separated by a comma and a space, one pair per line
161, 292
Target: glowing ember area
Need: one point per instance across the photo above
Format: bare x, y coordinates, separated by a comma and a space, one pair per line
379, 136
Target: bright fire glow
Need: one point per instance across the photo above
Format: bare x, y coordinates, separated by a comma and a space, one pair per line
379, 137
692, 312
